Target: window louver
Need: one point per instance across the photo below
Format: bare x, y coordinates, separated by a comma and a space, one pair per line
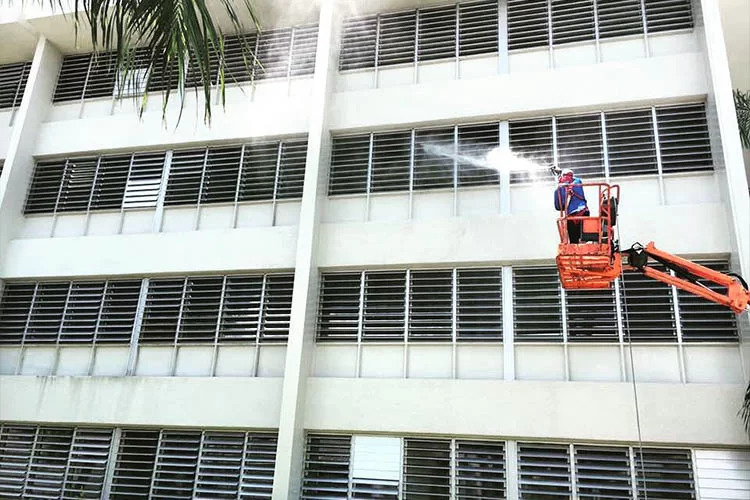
16, 446
144, 181
665, 15
110, 183
117, 314
358, 41
176, 464
220, 177
200, 309
87, 463
619, 17
603, 472
384, 306
304, 46
326, 467
479, 305
396, 38
480, 470
591, 315
77, 183
218, 473
543, 471
273, 54
664, 473
185, 177
13, 78
349, 161
630, 142
683, 138
134, 467
649, 314
580, 146
536, 304
433, 164
81, 312
46, 472
291, 170
478, 33
45, 187
572, 21
476, 141
46, 316
430, 305
238, 61
437, 33
162, 312
427, 468
15, 308
531, 139
71, 81
528, 24
391, 153
100, 81
259, 171
241, 309
702, 320
277, 308
338, 313
259, 461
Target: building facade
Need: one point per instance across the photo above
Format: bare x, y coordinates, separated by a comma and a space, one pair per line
344, 287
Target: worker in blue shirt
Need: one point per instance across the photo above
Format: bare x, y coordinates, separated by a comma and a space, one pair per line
570, 197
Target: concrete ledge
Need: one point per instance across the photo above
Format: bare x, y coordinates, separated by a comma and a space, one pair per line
681, 414
154, 401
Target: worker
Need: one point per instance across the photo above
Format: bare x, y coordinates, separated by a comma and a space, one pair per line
569, 196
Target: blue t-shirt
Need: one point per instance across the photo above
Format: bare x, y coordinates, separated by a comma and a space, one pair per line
577, 198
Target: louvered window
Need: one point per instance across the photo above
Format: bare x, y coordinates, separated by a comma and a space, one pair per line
238, 57
433, 158
259, 168
619, 17
358, 40
580, 146
591, 315
702, 320
304, 46
430, 305
291, 170
13, 78
649, 312
15, 307
683, 138
71, 81
427, 468
46, 316
384, 306
200, 309
273, 54
87, 463
391, 152
220, 178
630, 142
479, 305
77, 183
258, 462
45, 187
480, 470
543, 471
162, 312
81, 312
528, 24
350, 157
478, 28
396, 38
664, 473
437, 33
536, 304
277, 307
240, 314
603, 472
144, 181
338, 313
665, 15
326, 467
110, 183
134, 467
533, 140
185, 175
46, 472
16, 447
176, 464
572, 21
476, 141
218, 474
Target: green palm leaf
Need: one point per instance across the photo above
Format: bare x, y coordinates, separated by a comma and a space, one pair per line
742, 105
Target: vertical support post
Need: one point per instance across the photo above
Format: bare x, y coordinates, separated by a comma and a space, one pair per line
509, 360
109, 471
564, 314
415, 80
215, 352
369, 178
457, 74
678, 327
259, 326
133, 353
377, 51
596, 32
91, 197
455, 171
360, 324
605, 148
276, 182
159, 212
196, 222
573, 482
511, 469
644, 20
127, 183
412, 148
19, 364
550, 38
405, 364
504, 142
236, 207
657, 145
503, 56
454, 323
620, 330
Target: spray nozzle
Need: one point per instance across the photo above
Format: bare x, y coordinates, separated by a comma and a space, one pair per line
555, 170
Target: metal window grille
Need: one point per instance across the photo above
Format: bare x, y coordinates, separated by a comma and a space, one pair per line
16, 447
603, 472
87, 463
81, 312
327, 462
134, 465
579, 144
480, 470
259, 172
71, 82
437, 33
304, 47
15, 308
45, 187
110, 183
238, 63
349, 164
664, 473
45, 318
430, 305
185, 174
396, 38
200, 309
162, 312
477, 141
218, 474
46, 471
384, 306
683, 138
631, 147
338, 312
358, 41
619, 17
434, 170
528, 24
176, 464
531, 139
13, 78
277, 308
572, 21
479, 296
391, 153
665, 15
427, 468
591, 315
273, 54
649, 312
477, 28
240, 314
544, 471
259, 460
702, 320
291, 177
77, 183
220, 177
144, 181
537, 314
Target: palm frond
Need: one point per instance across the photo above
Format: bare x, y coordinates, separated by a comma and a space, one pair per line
742, 105
177, 42
744, 412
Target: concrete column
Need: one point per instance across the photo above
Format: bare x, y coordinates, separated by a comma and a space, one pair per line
19, 162
291, 447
